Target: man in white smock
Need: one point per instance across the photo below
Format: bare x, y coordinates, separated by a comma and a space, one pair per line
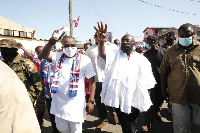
127, 80
68, 87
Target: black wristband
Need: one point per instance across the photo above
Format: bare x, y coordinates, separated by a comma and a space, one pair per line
91, 101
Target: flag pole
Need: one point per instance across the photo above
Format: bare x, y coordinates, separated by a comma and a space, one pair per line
70, 17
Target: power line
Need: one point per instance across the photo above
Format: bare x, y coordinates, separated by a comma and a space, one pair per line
194, 0
166, 8
46, 10
98, 12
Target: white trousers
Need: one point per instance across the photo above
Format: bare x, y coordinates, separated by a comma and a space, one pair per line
65, 126
186, 118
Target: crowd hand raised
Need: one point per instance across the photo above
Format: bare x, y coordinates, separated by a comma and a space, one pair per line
101, 31
56, 36
19, 45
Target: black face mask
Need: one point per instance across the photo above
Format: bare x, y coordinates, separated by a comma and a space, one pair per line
169, 40
8, 56
126, 47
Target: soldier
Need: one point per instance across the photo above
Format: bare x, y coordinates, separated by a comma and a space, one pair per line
25, 70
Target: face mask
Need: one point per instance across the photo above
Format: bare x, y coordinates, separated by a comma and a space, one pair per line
126, 47
8, 56
148, 46
185, 41
169, 40
70, 51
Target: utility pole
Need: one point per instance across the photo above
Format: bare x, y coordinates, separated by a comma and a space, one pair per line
70, 17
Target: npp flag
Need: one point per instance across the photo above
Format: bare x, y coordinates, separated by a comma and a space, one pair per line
75, 22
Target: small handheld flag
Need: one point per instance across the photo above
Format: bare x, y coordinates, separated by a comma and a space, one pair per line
75, 22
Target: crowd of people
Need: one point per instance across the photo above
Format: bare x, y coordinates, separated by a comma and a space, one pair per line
126, 78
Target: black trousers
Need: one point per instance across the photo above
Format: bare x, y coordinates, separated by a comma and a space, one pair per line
52, 117
157, 100
128, 121
101, 108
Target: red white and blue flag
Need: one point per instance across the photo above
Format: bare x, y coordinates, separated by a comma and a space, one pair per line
75, 22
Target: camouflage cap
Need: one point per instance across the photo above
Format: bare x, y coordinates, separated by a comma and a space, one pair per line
9, 43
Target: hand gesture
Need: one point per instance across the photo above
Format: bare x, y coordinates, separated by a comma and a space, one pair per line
101, 31
56, 36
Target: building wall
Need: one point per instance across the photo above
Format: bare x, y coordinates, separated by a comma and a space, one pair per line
29, 43
162, 38
10, 28
148, 32
197, 33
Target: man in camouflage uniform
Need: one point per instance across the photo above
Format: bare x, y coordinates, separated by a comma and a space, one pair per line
26, 71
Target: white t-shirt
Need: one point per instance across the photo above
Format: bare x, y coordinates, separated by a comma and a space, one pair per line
71, 109
126, 81
99, 66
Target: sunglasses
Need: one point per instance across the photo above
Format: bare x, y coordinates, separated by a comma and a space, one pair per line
68, 45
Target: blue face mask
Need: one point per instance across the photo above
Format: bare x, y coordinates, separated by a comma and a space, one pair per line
148, 46
185, 41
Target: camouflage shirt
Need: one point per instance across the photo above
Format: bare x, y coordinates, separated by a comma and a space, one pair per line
28, 74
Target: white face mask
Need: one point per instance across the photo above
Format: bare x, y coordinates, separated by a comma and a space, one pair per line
70, 51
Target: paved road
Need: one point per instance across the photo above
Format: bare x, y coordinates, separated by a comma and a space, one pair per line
164, 126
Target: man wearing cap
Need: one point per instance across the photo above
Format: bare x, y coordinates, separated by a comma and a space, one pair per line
170, 40
180, 73
24, 68
155, 59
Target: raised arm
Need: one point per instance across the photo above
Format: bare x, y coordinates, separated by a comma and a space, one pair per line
45, 53
101, 33
28, 54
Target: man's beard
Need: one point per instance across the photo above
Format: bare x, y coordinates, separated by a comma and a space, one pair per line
126, 48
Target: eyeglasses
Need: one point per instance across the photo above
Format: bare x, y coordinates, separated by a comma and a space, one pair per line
68, 45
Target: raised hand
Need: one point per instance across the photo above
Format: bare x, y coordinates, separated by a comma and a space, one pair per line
57, 34
101, 31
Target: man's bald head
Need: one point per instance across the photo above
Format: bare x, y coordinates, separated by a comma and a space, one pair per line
186, 30
68, 40
129, 37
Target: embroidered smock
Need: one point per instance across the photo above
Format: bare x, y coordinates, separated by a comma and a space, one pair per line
126, 81
71, 109
93, 54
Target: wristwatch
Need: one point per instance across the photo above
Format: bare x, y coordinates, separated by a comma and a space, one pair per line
91, 101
